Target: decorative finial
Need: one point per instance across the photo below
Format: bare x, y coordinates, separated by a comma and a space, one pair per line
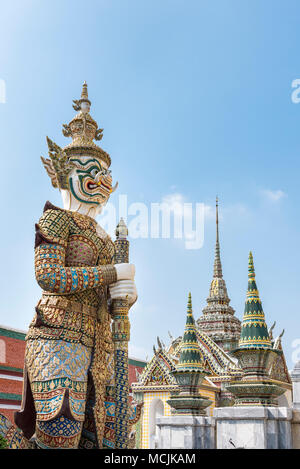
84, 92
160, 347
251, 271
271, 330
83, 104
121, 230
189, 305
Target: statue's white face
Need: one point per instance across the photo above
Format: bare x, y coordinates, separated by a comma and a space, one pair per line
90, 182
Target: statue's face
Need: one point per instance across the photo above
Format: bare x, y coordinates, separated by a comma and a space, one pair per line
90, 181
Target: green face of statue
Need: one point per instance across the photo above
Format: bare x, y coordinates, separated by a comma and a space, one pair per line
90, 181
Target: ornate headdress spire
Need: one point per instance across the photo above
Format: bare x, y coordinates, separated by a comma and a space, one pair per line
84, 92
83, 130
254, 332
82, 104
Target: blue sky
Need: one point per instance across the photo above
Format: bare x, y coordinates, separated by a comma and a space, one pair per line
195, 100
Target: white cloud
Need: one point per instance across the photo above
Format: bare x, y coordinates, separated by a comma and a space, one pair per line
273, 196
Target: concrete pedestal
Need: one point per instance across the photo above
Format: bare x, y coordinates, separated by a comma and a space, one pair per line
295, 375
186, 432
253, 427
296, 429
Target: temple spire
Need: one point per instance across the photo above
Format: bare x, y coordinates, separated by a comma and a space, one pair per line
189, 372
254, 332
190, 356
218, 320
255, 353
217, 265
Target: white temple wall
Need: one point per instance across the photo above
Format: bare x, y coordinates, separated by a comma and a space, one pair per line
286, 399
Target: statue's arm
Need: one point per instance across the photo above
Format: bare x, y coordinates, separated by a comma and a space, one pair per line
51, 273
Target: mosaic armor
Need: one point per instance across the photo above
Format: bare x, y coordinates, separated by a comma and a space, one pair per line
69, 340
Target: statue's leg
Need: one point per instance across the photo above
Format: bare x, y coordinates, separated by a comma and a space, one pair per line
58, 381
59, 433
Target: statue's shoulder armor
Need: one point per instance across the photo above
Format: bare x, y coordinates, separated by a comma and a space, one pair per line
106, 241
53, 226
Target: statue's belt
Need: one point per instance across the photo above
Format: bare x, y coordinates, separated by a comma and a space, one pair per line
64, 303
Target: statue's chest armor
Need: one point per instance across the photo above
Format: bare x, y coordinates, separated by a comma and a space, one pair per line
86, 246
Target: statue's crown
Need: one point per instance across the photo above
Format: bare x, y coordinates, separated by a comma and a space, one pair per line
84, 130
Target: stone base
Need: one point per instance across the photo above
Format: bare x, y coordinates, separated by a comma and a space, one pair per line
253, 427
258, 392
296, 429
186, 432
189, 405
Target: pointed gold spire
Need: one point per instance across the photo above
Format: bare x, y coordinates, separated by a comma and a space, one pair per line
218, 320
217, 265
217, 217
84, 92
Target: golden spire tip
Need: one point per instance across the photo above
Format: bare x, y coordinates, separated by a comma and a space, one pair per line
84, 93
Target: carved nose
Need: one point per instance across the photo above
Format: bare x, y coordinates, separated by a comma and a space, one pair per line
97, 177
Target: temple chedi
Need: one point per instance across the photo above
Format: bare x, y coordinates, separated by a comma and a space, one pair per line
218, 320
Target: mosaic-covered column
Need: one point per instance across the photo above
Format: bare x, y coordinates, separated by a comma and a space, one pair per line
121, 336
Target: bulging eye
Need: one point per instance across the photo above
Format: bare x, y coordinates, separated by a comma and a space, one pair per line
94, 173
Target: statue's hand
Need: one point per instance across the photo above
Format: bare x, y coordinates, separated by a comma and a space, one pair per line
122, 289
125, 271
